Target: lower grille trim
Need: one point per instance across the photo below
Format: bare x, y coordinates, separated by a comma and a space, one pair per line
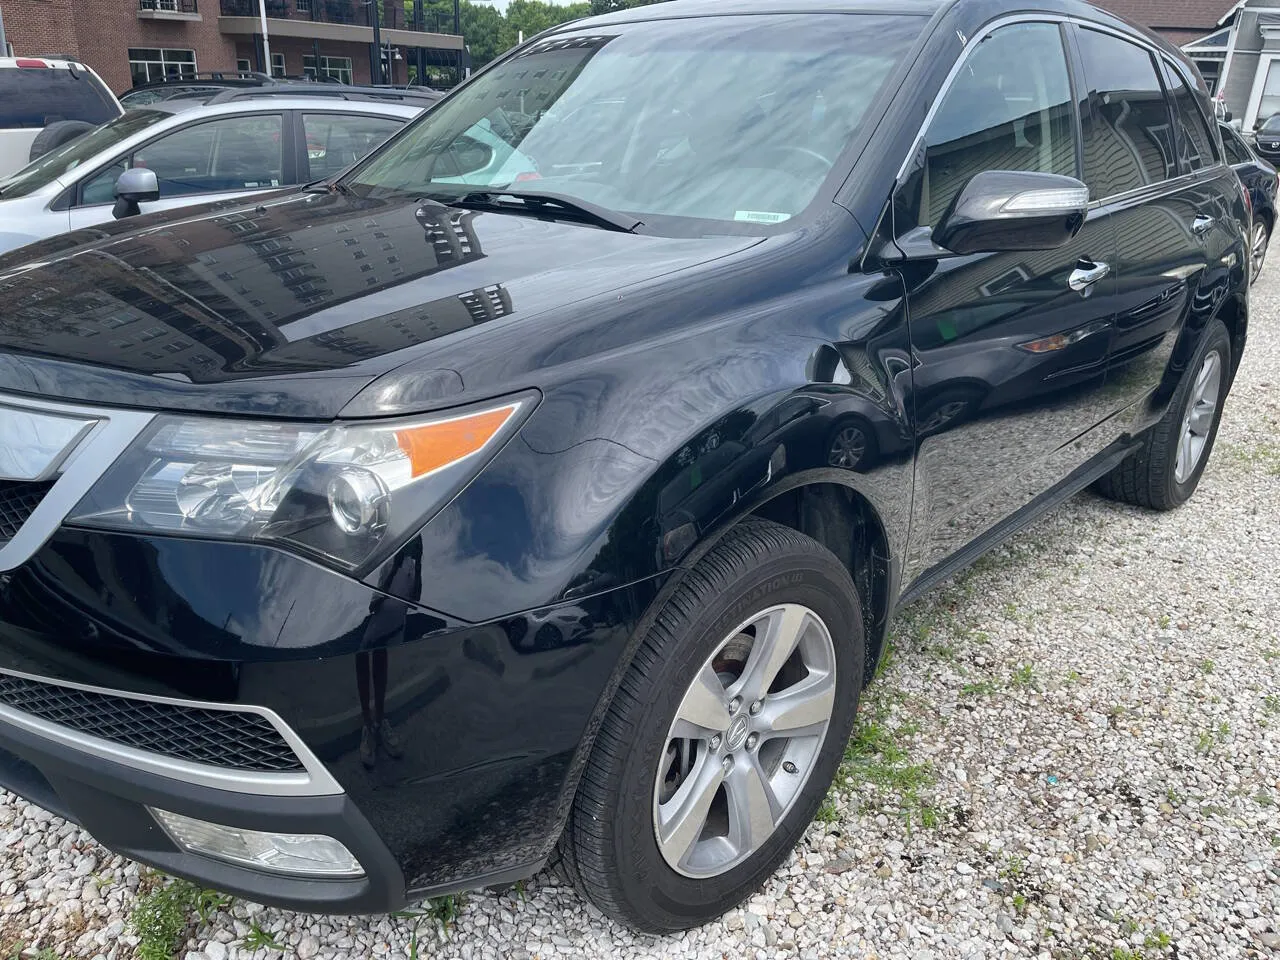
312, 780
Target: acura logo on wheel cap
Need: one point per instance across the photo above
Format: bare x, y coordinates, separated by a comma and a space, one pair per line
737, 733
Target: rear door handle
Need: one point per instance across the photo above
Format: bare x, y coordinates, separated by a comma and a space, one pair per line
1086, 274
1201, 225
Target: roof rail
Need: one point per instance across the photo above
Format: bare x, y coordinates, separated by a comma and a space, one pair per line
421, 95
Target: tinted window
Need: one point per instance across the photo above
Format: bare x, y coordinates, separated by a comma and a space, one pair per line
1195, 144
35, 98
1237, 150
1009, 108
733, 119
235, 153
82, 150
337, 140
1129, 141
1272, 125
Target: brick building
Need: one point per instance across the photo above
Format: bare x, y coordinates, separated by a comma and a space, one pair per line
130, 41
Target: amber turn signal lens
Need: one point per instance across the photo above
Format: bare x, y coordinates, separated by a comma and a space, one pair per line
434, 445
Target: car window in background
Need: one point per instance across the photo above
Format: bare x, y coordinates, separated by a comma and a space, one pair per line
234, 153
1009, 108
732, 119
1237, 152
1196, 143
35, 98
1129, 142
1272, 125
337, 140
81, 150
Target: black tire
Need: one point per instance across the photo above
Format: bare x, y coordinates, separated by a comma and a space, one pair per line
1147, 478
55, 135
609, 849
1259, 242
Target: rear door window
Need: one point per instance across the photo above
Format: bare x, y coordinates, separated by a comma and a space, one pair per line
1237, 151
337, 140
1195, 143
34, 97
1128, 139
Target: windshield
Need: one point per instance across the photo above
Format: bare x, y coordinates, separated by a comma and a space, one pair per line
82, 150
1273, 124
735, 119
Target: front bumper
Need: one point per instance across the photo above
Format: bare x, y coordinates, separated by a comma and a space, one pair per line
494, 718
110, 800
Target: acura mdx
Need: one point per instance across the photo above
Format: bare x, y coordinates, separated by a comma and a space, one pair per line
543, 486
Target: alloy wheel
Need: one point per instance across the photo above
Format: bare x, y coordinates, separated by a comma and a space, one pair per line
1197, 422
744, 740
1258, 241
848, 448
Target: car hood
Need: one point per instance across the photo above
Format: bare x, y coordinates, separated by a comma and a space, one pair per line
292, 306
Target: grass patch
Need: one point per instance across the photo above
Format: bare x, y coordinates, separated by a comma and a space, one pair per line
1024, 676
827, 813
1206, 667
980, 688
877, 755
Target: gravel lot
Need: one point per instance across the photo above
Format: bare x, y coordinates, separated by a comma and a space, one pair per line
1074, 752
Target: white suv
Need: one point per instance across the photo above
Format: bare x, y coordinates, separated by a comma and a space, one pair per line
46, 103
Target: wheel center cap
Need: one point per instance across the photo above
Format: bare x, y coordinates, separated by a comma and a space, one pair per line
736, 733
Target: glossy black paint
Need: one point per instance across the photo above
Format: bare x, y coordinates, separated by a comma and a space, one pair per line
685, 383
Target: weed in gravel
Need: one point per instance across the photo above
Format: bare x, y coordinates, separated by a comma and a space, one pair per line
1208, 739
876, 755
162, 916
1271, 703
1024, 676
979, 688
1206, 666
1271, 654
259, 939
827, 813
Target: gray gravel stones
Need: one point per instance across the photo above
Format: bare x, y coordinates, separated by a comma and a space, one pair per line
1098, 708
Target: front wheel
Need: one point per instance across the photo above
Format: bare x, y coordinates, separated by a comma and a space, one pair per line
724, 735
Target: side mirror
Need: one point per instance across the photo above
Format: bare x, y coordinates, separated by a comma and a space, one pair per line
1000, 211
136, 185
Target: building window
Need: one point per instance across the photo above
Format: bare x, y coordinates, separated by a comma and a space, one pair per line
336, 68
243, 65
302, 6
147, 64
277, 64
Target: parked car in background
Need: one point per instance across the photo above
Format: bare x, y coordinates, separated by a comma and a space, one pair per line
402, 535
1267, 139
45, 103
1260, 183
196, 151
194, 84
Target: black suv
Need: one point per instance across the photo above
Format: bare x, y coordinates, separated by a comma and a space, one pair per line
544, 485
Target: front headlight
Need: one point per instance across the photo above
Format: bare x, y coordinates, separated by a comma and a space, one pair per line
343, 491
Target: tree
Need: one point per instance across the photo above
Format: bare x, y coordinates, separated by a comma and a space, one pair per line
489, 33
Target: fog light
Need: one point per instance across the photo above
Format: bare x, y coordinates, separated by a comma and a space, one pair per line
291, 854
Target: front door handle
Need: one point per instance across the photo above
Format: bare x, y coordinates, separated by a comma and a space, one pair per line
1086, 274
1201, 225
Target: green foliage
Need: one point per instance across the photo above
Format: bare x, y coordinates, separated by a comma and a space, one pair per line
259, 939
489, 32
162, 917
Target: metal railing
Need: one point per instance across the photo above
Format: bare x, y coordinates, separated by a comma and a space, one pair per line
169, 6
354, 12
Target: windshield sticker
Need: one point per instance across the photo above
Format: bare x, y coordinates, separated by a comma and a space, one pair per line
761, 216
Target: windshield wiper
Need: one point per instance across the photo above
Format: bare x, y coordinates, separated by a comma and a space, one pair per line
544, 202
